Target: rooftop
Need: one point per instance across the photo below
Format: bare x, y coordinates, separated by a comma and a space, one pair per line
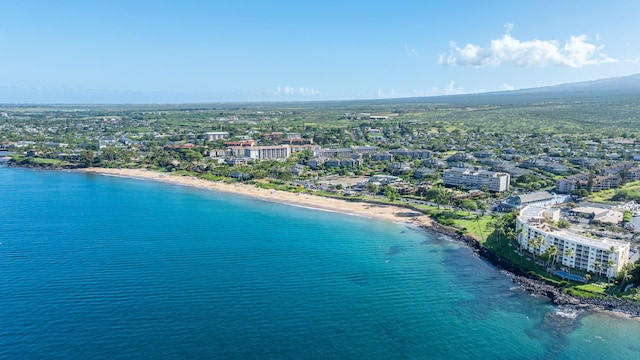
532, 212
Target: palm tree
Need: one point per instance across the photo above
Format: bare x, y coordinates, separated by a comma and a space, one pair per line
518, 236
493, 225
610, 264
530, 245
626, 275
551, 252
511, 235
477, 218
501, 232
597, 266
569, 253
610, 250
587, 277
536, 243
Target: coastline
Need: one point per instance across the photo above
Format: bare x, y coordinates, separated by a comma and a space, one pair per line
392, 213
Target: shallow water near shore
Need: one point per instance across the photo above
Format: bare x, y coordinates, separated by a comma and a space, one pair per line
103, 267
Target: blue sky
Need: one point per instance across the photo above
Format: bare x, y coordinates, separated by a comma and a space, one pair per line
195, 51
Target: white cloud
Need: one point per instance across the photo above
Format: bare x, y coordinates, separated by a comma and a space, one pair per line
508, 27
294, 91
509, 51
507, 87
380, 94
451, 89
410, 51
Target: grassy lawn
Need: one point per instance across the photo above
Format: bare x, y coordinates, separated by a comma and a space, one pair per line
606, 195
579, 292
589, 290
463, 221
477, 229
595, 288
37, 161
602, 196
43, 161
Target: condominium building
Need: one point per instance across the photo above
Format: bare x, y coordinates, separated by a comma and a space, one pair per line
475, 178
298, 148
334, 153
581, 181
268, 152
216, 135
611, 178
602, 256
297, 141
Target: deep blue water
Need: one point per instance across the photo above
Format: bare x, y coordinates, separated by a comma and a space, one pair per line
101, 267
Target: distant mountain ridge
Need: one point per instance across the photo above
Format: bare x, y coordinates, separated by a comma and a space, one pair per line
621, 83
609, 89
616, 88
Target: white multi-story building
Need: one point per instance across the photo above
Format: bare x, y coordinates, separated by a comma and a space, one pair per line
587, 252
216, 135
268, 152
333, 153
476, 178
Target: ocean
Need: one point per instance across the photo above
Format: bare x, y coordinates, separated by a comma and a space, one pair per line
98, 267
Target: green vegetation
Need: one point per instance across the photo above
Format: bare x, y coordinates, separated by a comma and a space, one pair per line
534, 182
598, 289
628, 192
563, 224
578, 292
39, 161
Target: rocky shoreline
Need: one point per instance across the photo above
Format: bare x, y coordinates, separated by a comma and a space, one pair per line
54, 167
535, 286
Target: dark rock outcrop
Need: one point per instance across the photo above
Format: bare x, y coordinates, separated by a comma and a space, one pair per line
534, 285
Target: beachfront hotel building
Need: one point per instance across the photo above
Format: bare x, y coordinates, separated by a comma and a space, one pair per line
533, 221
268, 152
476, 178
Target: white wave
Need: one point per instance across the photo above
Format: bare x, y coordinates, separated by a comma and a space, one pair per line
566, 313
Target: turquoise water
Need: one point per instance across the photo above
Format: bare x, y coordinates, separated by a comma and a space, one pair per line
102, 267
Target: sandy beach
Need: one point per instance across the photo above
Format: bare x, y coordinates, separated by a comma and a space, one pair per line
374, 211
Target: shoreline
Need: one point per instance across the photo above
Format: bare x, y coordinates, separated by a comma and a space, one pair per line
392, 213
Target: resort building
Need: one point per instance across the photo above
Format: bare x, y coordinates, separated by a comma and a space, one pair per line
268, 152
540, 198
365, 149
216, 135
243, 143
601, 256
582, 181
334, 153
289, 135
298, 148
475, 178
297, 141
